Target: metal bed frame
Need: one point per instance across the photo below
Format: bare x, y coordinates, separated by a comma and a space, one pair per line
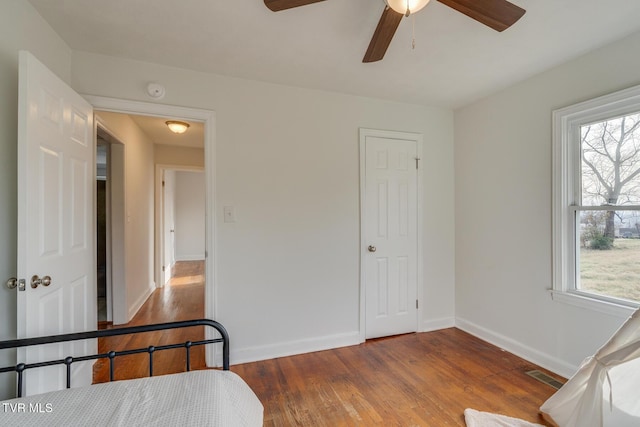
111, 355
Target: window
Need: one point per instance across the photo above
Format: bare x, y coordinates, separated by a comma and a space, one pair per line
596, 202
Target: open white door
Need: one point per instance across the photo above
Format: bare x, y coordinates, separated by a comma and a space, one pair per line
389, 232
56, 222
168, 223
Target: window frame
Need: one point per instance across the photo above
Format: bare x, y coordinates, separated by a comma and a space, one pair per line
567, 174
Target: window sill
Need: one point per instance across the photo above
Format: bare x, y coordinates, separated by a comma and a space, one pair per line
591, 303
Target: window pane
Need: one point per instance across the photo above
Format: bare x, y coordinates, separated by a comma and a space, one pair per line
607, 265
611, 161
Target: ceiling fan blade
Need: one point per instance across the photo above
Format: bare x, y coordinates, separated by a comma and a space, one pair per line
278, 5
497, 14
383, 35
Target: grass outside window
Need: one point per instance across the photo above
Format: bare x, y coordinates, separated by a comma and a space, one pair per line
614, 272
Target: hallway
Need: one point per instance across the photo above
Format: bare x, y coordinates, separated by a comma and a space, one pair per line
181, 299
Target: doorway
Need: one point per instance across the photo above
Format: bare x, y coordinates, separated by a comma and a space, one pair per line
147, 141
208, 119
182, 218
102, 155
110, 217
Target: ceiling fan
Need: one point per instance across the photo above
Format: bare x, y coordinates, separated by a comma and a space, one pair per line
497, 14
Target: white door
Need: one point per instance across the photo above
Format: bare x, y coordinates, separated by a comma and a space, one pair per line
56, 221
389, 215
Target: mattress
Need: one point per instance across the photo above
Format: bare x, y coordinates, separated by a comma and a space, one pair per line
197, 398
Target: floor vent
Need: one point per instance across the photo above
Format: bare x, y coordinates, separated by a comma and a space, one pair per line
544, 378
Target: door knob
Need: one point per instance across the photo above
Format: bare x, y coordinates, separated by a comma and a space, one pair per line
36, 281
371, 248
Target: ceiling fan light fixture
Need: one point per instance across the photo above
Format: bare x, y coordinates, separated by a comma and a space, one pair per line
407, 7
177, 127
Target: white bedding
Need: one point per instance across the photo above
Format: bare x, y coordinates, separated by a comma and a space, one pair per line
475, 418
197, 398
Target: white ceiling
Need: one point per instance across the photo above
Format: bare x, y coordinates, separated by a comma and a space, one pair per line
456, 59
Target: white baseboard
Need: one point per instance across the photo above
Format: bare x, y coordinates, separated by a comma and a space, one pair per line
544, 360
290, 348
133, 309
437, 324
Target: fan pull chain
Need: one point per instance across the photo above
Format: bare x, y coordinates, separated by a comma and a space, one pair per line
413, 32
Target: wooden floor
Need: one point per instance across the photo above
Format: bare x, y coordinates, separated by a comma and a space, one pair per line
181, 299
422, 379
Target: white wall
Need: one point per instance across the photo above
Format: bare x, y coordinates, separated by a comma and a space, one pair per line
179, 156
189, 215
20, 28
503, 211
139, 212
287, 160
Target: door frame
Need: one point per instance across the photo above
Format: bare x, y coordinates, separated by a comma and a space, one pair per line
115, 221
160, 217
208, 117
402, 136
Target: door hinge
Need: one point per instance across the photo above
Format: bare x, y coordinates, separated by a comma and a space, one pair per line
417, 160
416, 304
163, 183
163, 268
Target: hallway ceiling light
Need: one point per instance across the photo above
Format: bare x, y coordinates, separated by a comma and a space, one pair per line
177, 127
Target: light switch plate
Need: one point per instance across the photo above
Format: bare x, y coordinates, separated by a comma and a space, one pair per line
229, 214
